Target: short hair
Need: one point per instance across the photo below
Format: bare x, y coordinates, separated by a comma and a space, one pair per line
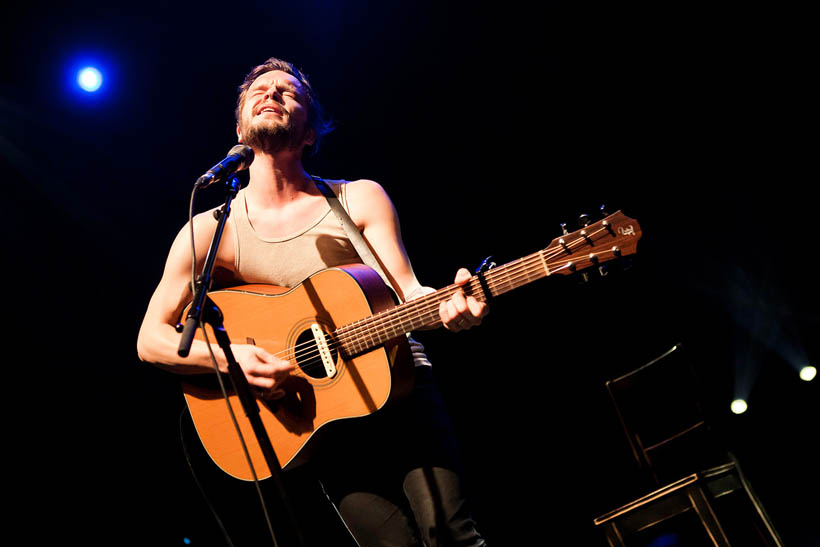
316, 117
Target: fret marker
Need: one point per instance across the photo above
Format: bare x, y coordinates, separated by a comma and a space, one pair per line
324, 351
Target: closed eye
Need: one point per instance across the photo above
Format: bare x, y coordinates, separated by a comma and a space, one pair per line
293, 94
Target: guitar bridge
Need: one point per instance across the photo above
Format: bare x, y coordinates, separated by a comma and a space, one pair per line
324, 351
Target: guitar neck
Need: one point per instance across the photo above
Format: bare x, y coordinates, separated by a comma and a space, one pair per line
424, 312
607, 239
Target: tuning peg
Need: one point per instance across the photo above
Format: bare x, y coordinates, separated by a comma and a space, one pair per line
604, 212
584, 220
564, 228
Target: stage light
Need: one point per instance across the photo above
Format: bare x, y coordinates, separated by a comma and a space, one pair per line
808, 373
89, 79
739, 406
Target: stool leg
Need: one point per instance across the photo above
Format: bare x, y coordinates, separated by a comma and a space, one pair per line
761, 512
707, 516
613, 536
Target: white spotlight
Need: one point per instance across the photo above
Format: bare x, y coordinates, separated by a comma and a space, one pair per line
739, 406
808, 373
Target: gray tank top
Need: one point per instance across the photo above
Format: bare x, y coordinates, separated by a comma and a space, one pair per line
287, 261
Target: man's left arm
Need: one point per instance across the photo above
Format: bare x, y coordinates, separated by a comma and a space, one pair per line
374, 214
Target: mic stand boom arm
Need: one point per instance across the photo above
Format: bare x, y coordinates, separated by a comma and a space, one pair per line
203, 310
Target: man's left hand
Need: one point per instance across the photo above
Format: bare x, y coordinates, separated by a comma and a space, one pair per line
461, 312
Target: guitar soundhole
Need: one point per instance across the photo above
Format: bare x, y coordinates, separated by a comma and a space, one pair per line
308, 357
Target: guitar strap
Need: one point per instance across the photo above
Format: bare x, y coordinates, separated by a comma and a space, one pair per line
361, 246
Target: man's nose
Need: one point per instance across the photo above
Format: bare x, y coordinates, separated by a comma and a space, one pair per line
273, 93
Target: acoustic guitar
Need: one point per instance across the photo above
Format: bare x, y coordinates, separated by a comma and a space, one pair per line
342, 329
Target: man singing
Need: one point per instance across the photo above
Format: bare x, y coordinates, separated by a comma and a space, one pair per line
394, 479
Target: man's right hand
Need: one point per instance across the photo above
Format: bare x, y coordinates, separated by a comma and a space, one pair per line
264, 371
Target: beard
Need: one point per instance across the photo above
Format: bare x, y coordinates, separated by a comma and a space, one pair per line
273, 136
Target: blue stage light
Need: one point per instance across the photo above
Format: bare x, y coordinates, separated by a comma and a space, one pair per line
89, 79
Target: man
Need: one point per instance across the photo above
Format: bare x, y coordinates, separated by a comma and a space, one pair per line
272, 237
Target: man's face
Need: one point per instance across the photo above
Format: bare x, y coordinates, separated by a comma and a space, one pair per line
274, 114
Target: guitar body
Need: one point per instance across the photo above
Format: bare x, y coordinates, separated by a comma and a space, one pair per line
279, 320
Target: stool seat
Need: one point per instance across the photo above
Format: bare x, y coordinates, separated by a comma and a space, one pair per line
704, 495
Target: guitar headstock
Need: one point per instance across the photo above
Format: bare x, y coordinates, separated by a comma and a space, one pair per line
613, 237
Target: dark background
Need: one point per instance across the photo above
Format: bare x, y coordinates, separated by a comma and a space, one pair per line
489, 126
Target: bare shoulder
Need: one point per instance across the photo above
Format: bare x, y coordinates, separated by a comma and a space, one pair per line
368, 201
365, 188
202, 235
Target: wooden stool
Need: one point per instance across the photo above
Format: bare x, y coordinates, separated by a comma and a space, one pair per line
696, 484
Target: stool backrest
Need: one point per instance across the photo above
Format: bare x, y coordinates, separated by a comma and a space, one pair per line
660, 408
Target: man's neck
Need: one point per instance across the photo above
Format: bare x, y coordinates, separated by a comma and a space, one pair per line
277, 179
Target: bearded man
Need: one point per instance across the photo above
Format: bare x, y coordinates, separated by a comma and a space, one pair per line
394, 475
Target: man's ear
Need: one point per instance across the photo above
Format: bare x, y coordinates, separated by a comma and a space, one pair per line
310, 138
238, 133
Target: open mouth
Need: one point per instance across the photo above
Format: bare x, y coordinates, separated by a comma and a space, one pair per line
266, 109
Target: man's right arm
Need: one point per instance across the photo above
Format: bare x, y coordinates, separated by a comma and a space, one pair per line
158, 339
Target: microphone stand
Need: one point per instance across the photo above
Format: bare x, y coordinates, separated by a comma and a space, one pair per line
203, 310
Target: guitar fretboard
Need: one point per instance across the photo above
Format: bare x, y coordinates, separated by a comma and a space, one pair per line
607, 239
423, 312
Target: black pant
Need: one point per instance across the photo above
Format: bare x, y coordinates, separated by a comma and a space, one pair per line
394, 476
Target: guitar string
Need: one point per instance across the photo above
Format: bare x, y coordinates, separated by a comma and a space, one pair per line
423, 307
503, 279
381, 331
510, 275
507, 275
309, 350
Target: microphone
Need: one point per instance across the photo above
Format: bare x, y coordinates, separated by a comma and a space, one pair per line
239, 158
